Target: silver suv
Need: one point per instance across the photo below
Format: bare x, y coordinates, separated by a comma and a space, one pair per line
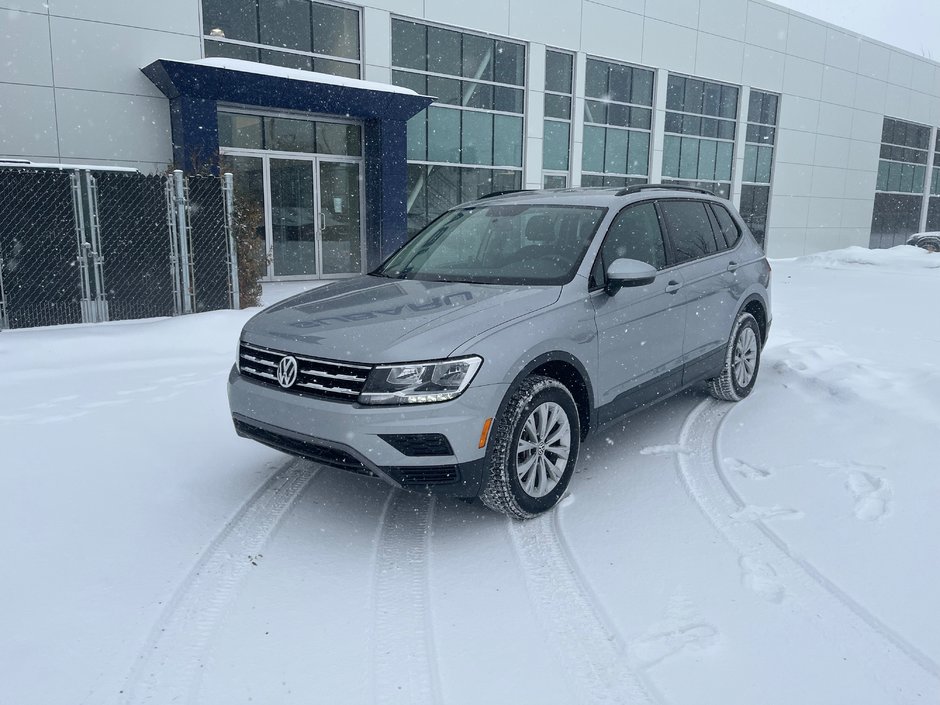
478, 357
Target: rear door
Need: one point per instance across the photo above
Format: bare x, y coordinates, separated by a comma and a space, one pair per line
640, 329
706, 265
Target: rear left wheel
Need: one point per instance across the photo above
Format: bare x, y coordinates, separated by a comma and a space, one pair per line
741, 361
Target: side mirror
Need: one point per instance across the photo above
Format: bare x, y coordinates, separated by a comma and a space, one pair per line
628, 272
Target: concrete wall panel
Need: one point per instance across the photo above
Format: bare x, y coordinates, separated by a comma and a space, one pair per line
802, 77
806, 39
681, 12
725, 18
873, 60
763, 68
612, 33
111, 126
719, 58
842, 50
483, 15
767, 26
834, 120
838, 86
527, 21
181, 16
104, 57
27, 119
25, 53
669, 46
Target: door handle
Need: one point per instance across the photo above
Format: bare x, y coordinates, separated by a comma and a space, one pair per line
732, 266
673, 286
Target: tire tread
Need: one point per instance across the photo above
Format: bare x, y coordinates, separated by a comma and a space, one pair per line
497, 493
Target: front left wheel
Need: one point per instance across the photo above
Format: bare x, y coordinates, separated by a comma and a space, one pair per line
535, 447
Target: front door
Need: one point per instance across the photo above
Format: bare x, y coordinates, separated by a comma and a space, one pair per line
315, 226
640, 329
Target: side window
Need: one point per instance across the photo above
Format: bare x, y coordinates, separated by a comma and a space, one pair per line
729, 229
690, 229
635, 234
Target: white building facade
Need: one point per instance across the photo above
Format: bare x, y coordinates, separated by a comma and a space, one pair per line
821, 137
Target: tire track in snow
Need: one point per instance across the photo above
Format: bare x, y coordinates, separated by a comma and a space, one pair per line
404, 657
845, 621
169, 667
593, 653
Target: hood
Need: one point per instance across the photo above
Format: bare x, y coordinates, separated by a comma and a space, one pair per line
373, 320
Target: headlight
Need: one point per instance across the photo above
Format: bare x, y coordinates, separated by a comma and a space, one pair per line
238, 353
419, 383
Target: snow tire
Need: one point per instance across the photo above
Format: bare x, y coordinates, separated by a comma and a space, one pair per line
503, 491
744, 350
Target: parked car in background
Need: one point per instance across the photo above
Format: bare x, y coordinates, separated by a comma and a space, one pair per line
928, 241
479, 356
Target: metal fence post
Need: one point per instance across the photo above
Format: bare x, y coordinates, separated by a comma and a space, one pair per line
4, 323
97, 259
174, 246
228, 191
89, 309
182, 229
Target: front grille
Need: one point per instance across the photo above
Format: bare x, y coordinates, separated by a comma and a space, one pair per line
324, 379
334, 457
418, 476
418, 444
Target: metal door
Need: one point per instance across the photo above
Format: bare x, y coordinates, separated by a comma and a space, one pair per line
314, 217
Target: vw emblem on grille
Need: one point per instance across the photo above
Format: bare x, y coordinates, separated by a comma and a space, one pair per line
287, 371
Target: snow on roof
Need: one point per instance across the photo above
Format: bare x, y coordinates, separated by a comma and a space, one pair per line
298, 75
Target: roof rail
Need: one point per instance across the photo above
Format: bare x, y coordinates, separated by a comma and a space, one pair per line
670, 187
494, 194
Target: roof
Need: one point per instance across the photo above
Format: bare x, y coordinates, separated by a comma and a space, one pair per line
253, 84
243, 66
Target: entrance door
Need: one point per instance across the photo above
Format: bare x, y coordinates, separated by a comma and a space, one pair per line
315, 218
340, 219
292, 238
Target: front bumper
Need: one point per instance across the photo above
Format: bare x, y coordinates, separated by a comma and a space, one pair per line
348, 435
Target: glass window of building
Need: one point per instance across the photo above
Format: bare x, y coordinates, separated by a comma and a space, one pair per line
759, 140
902, 178
618, 120
556, 144
469, 143
698, 148
933, 206
285, 134
298, 34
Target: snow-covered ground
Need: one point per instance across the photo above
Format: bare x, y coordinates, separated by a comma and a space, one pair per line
783, 550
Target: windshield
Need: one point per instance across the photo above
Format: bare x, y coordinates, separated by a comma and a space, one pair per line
499, 244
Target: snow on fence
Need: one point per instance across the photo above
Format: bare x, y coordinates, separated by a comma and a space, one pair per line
86, 245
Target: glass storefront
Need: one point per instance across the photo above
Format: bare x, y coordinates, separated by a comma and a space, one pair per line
305, 176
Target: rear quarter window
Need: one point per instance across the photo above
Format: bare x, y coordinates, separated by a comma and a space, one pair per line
729, 229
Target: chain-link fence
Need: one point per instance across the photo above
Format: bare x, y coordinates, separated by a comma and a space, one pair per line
135, 245
38, 248
210, 236
90, 245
